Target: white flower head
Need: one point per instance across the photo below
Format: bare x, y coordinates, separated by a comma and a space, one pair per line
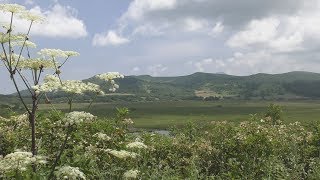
28, 44
138, 145
37, 64
102, 136
68, 172
19, 161
109, 76
131, 174
27, 15
122, 154
53, 83
4, 37
128, 121
71, 53
52, 53
13, 8
76, 117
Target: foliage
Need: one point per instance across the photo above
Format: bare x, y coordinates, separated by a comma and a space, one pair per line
105, 149
25, 128
274, 112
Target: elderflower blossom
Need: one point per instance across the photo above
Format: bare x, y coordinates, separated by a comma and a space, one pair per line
4, 37
27, 15
53, 83
3, 119
14, 58
52, 53
109, 76
138, 145
13, 8
79, 87
131, 174
127, 121
102, 136
71, 53
122, 154
36, 64
28, 44
68, 172
19, 161
20, 119
76, 117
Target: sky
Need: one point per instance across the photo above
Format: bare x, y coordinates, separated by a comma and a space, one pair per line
177, 37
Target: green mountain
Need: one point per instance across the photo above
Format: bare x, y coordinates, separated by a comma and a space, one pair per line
199, 86
208, 86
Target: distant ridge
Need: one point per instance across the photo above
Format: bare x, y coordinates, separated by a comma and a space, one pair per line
211, 86
199, 85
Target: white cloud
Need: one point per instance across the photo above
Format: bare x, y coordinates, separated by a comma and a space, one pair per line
252, 63
148, 30
29, 2
287, 44
138, 8
257, 31
60, 22
157, 69
280, 33
270, 36
217, 29
193, 24
136, 69
109, 38
206, 64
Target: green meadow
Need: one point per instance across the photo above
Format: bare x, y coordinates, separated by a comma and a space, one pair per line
163, 115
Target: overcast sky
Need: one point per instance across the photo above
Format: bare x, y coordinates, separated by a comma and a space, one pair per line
178, 37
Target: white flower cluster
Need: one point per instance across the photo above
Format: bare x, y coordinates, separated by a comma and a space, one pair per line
122, 154
21, 10
79, 87
27, 15
2, 119
28, 44
109, 77
14, 58
131, 174
76, 117
13, 8
71, 53
138, 145
102, 136
57, 53
37, 64
53, 83
20, 119
4, 37
68, 172
128, 121
19, 161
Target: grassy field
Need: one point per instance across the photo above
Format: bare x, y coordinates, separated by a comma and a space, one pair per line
161, 115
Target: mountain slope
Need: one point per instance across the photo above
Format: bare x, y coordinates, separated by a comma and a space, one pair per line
290, 85
198, 85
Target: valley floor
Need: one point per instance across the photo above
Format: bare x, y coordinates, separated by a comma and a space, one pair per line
162, 115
